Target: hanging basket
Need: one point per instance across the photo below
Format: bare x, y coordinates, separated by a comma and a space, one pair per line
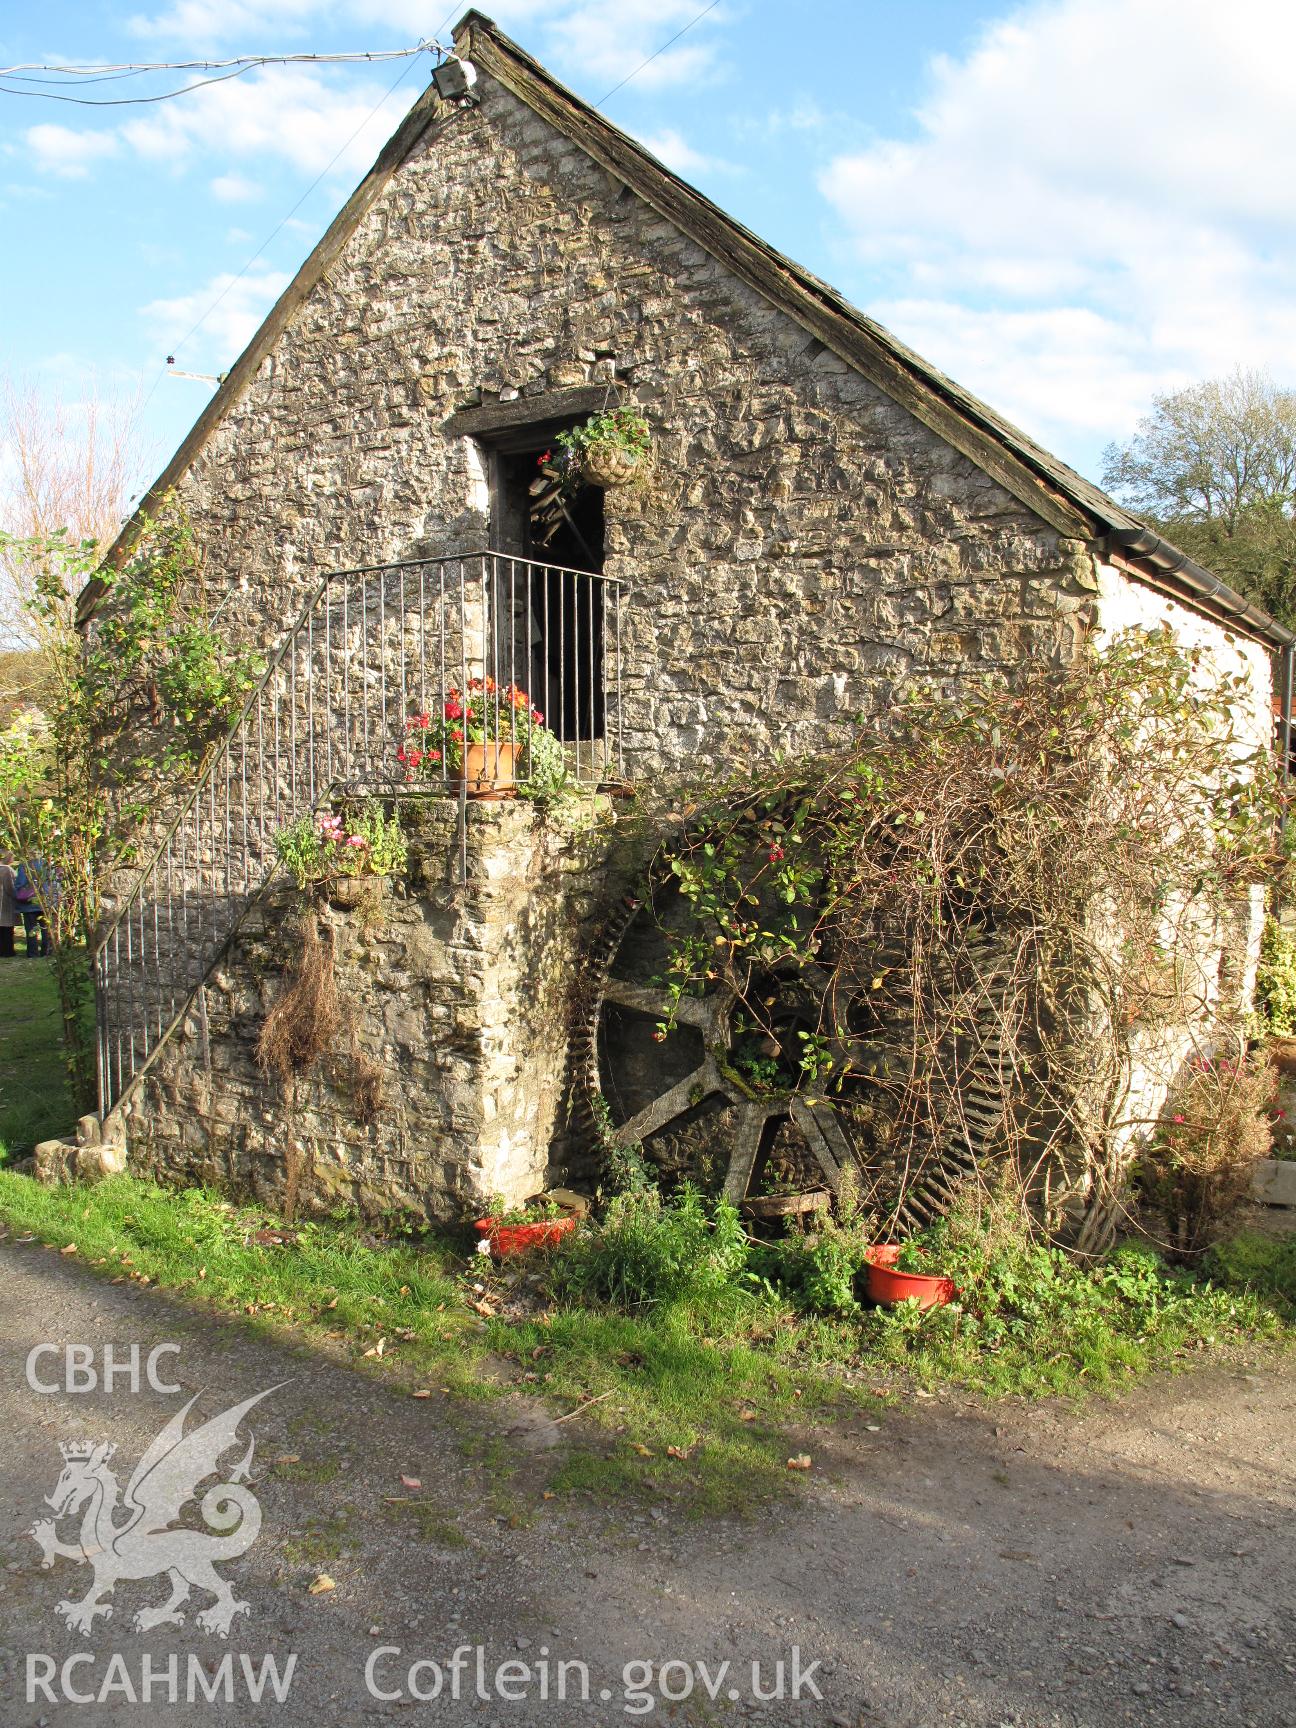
348, 892
610, 465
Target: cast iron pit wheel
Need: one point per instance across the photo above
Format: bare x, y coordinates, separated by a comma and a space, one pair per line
689, 1087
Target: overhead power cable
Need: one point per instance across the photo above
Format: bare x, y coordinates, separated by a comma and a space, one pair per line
275, 232
656, 52
79, 76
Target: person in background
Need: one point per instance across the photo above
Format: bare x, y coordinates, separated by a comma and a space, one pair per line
8, 905
29, 908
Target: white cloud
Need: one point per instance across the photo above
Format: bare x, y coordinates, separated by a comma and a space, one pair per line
234, 189
286, 112
608, 41
595, 42
670, 147
61, 150
1093, 205
599, 41
206, 22
229, 327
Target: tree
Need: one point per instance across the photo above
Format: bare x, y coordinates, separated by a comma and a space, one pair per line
1213, 468
63, 467
98, 727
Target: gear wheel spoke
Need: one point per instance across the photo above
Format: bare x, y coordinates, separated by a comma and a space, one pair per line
751, 1118
689, 1010
813, 1114
694, 1089
749, 1132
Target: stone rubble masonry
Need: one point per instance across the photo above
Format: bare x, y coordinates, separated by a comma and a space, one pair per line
807, 547
463, 995
806, 553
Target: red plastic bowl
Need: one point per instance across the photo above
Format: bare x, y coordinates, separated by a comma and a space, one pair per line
506, 1239
882, 1253
888, 1285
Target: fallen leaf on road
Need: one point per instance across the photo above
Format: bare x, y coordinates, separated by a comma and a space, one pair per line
321, 1584
421, 1393
800, 1462
410, 1482
70, 1249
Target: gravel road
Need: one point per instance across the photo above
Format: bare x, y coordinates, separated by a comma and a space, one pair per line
946, 1564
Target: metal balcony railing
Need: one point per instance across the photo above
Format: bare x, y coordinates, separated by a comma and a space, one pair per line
371, 648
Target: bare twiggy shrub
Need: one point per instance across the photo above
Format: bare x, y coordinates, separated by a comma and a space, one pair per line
1198, 1166
303, 1022
990, 915
63, 466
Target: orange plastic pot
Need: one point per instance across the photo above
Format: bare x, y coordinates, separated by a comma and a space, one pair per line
888, 1285
508, 1239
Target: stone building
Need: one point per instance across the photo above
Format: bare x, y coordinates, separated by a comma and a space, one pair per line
830, 521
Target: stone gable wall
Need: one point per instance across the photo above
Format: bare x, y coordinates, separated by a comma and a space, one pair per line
808, 552
810, 545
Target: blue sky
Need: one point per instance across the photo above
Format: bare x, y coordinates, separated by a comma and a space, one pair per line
1068, 205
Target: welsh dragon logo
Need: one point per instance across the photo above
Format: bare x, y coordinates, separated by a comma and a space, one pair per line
143, 1544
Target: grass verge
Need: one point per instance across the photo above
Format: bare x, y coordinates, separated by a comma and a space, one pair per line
426, 1315
703, 1390
35, 1100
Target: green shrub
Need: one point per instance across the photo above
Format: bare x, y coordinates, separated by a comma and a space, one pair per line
1027, 1317
816, 1271
324, 843
653, 1251
1250, 1261
1275, 992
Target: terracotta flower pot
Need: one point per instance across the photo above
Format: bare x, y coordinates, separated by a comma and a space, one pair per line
508, 1239
609, 466
490, 769
888, 1285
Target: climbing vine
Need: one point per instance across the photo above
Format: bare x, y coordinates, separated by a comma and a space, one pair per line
128, 710
997, 906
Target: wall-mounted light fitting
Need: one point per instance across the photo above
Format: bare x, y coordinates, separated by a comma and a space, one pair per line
454, 80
